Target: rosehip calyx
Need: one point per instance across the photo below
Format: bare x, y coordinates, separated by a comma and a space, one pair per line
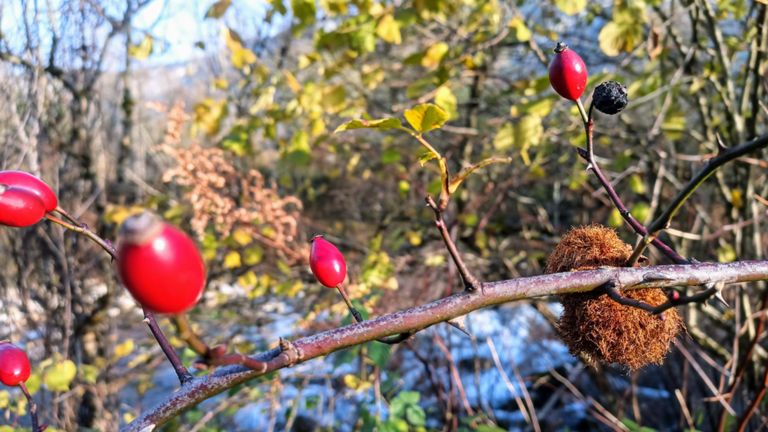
14, 364
19, 207
327, 263
22, 179
567, 73
159, 264
610, 97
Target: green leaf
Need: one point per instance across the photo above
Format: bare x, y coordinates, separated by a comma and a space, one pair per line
143, 49
637, 185
379, 354
426, 117
304, 11
218, 9
58, 377
390, 156
415, 415
615, 220
641, 212
425, 157
571, 7
445, 99
381, 124
388, 29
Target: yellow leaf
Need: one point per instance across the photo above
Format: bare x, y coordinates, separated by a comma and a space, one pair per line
445, 99
5, 399
142, 50
426, 117
388, 29
434, 55
726, 253
240, 56
242, 237
504, 138
248, 280
292, 82
608, 39
571, 7
124, 349
58, 377
521, 31
232, 260
736, 198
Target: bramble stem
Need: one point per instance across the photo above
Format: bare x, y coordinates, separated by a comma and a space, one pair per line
471, 283
83, 229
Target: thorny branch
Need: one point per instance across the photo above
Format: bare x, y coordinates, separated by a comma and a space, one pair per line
420, 317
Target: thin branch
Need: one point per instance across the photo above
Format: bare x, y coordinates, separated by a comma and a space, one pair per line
589, 156
420, 317
725, 156
184, 376
32, 409
471, 283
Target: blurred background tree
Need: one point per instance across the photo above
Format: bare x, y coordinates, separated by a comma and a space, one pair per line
220, 116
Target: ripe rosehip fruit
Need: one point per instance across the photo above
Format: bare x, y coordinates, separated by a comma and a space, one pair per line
610, 97
14, 365
567, 73
28, 181
19, 207
326, 262
159, 265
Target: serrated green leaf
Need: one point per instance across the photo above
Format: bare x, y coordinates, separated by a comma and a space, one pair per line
381, 124
59, 376
426, 117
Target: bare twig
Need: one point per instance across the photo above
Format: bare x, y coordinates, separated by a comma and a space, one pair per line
725, 156
529, 418
36, 427
471, 283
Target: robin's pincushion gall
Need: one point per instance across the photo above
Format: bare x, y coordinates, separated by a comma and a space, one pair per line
596, 326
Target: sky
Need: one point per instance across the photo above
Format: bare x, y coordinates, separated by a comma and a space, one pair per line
175, 25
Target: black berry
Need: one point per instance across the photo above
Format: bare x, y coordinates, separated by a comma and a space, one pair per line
610, 97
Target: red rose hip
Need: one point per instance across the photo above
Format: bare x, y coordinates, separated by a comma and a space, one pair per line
26, 180
19, 207
326, 262
567, 73
14, 365
159, 265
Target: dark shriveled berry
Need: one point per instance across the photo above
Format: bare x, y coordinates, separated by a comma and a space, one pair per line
610, 97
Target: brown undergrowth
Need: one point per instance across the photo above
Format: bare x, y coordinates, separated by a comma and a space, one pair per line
597, 327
